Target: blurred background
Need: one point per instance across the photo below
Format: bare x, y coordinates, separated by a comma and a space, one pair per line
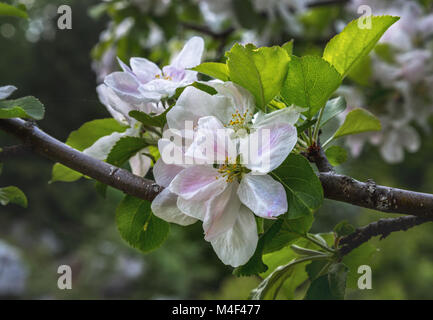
71, 224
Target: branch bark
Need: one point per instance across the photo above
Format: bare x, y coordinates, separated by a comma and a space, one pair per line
382, 228
336, 187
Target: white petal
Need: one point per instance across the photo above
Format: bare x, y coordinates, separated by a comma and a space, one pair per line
237, 245
194, 104
198, 183
6, 91
263, 195
222, 212
194, 209
164, 207
391, 150
191, 54
265, 149
410, 139
144, 69
242, 99
116, 107
102, 147
165, 173
140, 164
288, 115
125, 86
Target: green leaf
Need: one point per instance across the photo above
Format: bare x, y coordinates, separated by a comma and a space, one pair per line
288, 46
259, 70
333, 108
139, 226
268, 289
362, 71
27, 107
309, 84
81, 139
124, 149
358, 121
337, 276
352, 44
214, 69
343, 228
63, 173
148, 120
9, 10
336, 155
357, 257
13, 195
331, 286
92, 131
255, 265
303, 188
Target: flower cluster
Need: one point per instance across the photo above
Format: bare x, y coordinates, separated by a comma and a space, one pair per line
403, 69
217, 152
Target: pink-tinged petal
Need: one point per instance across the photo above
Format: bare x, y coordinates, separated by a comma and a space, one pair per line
198, 183
123, 65
144, 69
116, 107
237, 245
165, 173
266, 148
222, 212
212, 142
194, 104
125, 86
190, 55
6, 91
164, 206
140, 164
263, 195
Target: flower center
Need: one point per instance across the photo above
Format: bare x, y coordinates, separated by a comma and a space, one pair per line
164, 77
230, 171
240, 121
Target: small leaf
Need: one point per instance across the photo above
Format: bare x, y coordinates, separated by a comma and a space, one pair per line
309, 84
343, 228
259, 70
13, 195
27, 107
214, 69
268, 289
336, 155
357, 257
64, 174
139, 226
333, 108
288, 46
9, 10
148, 120
353, 43
303, 188
124, 149
358, 121
331, 286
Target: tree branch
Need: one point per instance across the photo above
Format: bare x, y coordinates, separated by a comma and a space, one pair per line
57, 151
382, 228
335, 186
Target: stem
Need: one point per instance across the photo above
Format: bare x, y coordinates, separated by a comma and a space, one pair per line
318, 243
317, 125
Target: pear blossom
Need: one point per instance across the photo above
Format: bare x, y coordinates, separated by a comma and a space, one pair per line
225, 196
145, 82
6, 91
